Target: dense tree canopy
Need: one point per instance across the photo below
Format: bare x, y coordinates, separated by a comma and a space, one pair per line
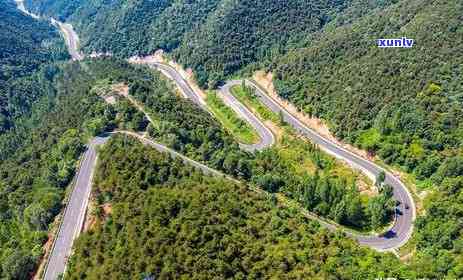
405, 105
159, 218
27, 47
214, 37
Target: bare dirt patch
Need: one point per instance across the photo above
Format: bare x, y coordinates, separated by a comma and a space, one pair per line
265, 80
96, 213
121, 89
47, 247
90, 218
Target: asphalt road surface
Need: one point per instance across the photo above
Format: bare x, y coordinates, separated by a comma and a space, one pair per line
267, 138
71, 39
74, 213
185, 88
402, 228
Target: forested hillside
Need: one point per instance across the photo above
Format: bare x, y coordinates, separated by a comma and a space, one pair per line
319, 186
25, 45
38, 161
407, 102
159, 219
404, 104
128, 27
214, 37
41, 158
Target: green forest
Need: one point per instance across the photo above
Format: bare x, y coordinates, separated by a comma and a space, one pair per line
214, 37
28, 47
402, 105
190, 130
167, 221
408, 102
44, 155
38, 161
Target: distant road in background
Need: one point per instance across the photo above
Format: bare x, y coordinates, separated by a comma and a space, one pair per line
397, 235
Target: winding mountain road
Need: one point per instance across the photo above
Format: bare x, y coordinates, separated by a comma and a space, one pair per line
74, 213
266, 137
186, 90
402, 228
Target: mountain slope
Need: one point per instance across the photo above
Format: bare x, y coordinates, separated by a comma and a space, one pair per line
161, 219
25, 45
214, 37
405, 104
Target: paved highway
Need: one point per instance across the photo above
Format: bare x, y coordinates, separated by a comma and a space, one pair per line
74, 213
402, 228
267, 138
70, 37
183, 85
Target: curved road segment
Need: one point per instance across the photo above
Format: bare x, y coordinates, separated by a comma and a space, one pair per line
74, 213
267, 138
185, 88
402, 228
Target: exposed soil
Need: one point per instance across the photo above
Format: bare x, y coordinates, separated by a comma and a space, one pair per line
265, 80
187, 74
47, 249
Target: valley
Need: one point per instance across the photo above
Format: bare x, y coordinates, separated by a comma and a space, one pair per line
210, 120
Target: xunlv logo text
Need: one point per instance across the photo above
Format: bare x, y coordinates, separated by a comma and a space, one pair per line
395, 43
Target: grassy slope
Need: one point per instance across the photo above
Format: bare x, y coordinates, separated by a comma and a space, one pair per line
229, 119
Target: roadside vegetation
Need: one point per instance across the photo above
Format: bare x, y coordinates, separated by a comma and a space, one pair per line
403, 105
294, 167
363, 209
246, 95
239, 128
39, 162
168, 221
